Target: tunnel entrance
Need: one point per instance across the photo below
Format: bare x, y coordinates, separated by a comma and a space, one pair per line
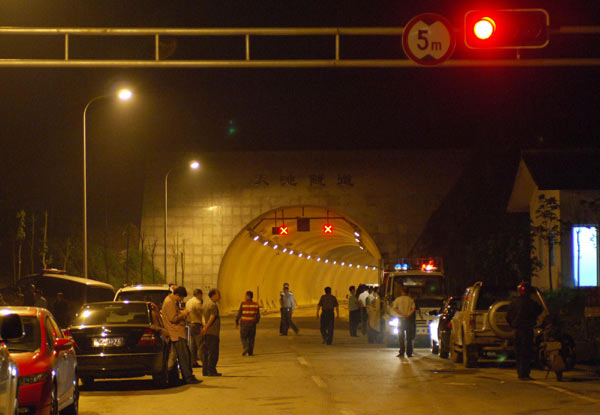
318, 248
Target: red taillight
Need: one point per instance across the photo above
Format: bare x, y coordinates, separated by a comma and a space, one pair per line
67, 334
148, 338
449, 324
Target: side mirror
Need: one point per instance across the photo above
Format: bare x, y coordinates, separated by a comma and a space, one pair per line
12, 328
62, 345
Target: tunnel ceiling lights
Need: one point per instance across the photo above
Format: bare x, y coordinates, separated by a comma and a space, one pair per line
276, 246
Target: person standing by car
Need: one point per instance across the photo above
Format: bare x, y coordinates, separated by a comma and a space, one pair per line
522, 315
362, 297
404, 307
211, 331
328, 303
174, 320
194, 306
61, 310
354, 310
288, 303
247, 317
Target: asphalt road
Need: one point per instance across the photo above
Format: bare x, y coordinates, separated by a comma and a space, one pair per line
300, 375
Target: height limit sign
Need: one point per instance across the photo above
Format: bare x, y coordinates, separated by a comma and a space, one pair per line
428, 39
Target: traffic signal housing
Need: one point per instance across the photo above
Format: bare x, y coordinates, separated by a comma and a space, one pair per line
507, 29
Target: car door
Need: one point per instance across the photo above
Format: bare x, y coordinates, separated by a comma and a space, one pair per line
63, 364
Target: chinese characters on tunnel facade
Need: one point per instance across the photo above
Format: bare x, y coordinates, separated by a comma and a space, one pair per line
312, 180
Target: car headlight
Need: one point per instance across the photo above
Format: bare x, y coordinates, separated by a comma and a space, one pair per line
31, 379
393, 322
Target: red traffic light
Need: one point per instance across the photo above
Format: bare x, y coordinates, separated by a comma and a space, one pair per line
484, 28
507, 29
327, 229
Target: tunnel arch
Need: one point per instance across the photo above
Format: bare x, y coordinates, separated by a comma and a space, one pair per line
260, 261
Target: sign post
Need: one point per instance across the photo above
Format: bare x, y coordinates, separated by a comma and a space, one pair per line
429, 39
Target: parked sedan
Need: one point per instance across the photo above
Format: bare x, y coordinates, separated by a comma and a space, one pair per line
47, 365
10, 329
119, 340
440, 327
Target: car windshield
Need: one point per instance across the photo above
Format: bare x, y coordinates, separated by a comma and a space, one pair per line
32, 339
418, 285
154, 296
112, 313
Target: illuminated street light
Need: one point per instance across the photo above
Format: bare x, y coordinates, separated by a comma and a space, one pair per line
194, 165
123, 94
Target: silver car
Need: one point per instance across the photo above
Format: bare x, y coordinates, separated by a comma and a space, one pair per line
11, 328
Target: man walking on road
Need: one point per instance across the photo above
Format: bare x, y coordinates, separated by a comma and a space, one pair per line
211, 331
194, 306
404, 307
174, 320
354, 309
287, 302
247, 317
522, 315
328, 303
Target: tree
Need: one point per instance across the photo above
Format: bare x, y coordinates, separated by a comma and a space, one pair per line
152, 256
19, 239
547, 229
45, 241
32, 245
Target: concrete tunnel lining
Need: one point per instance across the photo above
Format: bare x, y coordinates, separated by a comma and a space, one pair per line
259, 261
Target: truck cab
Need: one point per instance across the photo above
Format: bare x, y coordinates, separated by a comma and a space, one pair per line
425, 282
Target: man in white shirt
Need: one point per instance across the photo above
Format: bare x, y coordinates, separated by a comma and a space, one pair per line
404, 307
362, 298
194, 306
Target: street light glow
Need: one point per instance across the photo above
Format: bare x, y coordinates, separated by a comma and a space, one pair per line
125, 94
194, 165
484, 28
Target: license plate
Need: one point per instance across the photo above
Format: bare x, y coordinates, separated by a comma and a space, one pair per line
108, 341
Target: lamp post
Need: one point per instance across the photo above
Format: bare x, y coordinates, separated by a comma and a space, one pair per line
194, 165
123, 95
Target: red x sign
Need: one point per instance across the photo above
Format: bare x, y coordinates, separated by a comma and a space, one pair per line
283, 230
328, 229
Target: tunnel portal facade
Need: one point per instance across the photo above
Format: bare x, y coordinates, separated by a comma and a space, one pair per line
223, 220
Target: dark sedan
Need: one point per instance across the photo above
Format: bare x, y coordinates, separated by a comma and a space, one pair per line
119, 340
440, 327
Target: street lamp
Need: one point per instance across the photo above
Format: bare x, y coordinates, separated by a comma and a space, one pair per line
123, 95
194, 165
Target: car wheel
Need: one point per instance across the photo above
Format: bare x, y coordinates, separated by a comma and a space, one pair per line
444, 352
434, 347
53, 400
469, 355
73, 409
161, 379
455, 355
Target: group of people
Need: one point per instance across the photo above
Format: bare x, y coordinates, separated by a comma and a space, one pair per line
31, 296
205, 325
364, 312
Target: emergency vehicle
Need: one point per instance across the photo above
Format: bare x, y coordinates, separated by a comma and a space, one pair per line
424, 279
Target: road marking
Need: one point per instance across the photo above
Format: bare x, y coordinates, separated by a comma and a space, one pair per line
460, 384
302, 361
320, 383
567, 392
346, 412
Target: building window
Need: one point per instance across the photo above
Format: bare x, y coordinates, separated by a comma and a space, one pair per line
585, 256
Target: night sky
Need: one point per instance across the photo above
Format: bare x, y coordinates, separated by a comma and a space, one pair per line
275, 109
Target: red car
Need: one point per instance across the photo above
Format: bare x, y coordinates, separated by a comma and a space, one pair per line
47, 365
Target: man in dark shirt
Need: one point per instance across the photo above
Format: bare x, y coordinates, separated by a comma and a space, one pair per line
327, 303
522, 315
61, 311
211, 331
